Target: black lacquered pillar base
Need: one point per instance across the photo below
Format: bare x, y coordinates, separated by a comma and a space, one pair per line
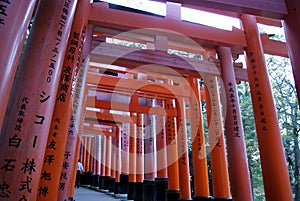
123, 183
149, 190
130, 191
161, 186
173, 195
111, 186
202, 198
222, 199
101, 182
106, 181
138, 190
96, 179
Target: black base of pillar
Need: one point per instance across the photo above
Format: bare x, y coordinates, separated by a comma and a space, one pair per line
101, 182
173, 195
117, 187
149, 190
161, 186
202, 198
106, 181
123, 183
96, 179
71, 199
222, 199
184, 200
111, 187
130, 191
138, 190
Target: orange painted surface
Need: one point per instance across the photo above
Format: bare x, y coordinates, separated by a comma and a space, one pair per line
220, 179
274, 169
237, 157
14, 21
172, 151
183, 162
132, 153
118, 153
26, 125
108, 156
140, 148
198, 142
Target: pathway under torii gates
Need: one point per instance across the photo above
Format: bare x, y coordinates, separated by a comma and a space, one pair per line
123, 111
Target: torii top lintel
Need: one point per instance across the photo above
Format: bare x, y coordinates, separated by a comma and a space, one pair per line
276, 9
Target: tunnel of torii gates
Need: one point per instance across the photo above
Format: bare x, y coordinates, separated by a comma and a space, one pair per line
124, 112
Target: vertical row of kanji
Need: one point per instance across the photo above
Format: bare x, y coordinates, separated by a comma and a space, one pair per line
146, 157
32, 167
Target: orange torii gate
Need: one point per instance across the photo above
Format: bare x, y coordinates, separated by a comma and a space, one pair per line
116, 160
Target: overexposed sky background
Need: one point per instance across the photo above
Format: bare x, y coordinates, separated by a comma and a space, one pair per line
192, 15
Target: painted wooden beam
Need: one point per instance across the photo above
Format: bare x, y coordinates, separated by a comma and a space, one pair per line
116, 54
276, 9
93, 102
132, 86
98, 116
100, 15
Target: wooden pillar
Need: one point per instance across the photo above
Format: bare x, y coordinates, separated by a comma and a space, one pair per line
161, 181
292, 33
113, 164
118, 158
63, 106
172, 155
220, 181
138, 188
149, 190
125, 158
103, 159
183, 162
198, 142
132, 161
161, 148
88, 154
26, 125
107, 162
237, 156
14, 20
274, 169
74, 144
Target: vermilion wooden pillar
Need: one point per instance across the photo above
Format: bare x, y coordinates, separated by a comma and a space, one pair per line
125, 158
237, 157
183, 162
113, 164
27, 122
103, 159
198, 143
88, 154
274, 169
220, 180
138, 188
161, 181
172, 155
132, 161
74, 145
98, 160
107, 162
118, 159
64, 103
14, 20
292, 33
149, 156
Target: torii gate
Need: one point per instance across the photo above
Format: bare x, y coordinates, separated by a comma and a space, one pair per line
40, 143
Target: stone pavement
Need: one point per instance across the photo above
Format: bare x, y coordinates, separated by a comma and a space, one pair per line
85, 194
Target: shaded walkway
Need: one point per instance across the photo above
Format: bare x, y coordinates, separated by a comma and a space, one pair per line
84, 194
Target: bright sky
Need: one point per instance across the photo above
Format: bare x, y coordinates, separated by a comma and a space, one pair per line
192, 15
